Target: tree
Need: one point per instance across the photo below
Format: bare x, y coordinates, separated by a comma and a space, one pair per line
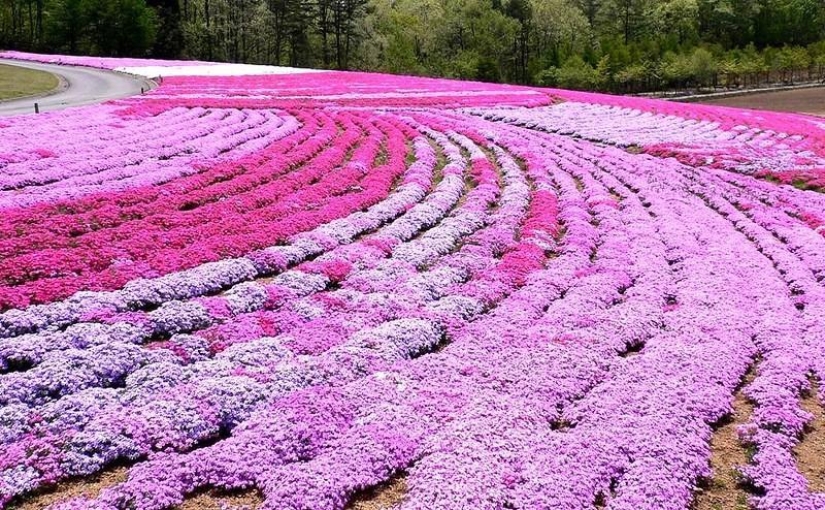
631, 77
574, 74
794, 22
631, 17
676, 69
591, 10
120, 27
169, 39
522, 12
703, 66
727, 22
676, 17
341, 17
297, 26
558, 30
68, 26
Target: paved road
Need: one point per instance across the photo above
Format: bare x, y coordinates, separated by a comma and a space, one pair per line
81, 85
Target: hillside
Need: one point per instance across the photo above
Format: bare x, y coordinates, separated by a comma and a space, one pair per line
306, 287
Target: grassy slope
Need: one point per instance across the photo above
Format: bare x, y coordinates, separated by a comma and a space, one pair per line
18, 81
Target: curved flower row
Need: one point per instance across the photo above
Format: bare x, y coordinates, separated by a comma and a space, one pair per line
309, 284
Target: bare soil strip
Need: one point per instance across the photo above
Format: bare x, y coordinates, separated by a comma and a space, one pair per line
381, 497
724, 491
88, 487
219, 500
92, 486
810, 453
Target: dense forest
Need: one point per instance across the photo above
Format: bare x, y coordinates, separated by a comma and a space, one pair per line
614, 45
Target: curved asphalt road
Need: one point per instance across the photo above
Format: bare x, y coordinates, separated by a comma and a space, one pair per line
79, 86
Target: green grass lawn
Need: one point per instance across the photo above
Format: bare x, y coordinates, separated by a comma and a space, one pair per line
18, 81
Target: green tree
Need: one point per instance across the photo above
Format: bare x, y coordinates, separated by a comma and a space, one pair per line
169, 38
558, 31
676, 69
522, 12
67, 26
574, 74
120, 27
703, 67
679, 18
727, 22
630, 18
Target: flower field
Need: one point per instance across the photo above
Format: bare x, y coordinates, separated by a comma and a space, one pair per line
308, 285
